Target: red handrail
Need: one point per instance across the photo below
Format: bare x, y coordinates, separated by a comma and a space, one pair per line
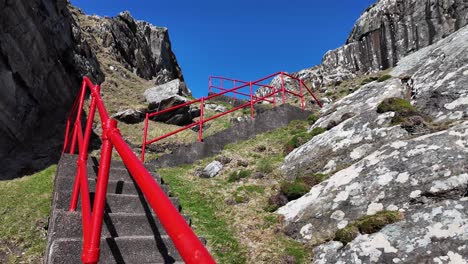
252, 100
185, 240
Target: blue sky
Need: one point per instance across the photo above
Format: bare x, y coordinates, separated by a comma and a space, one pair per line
242, 39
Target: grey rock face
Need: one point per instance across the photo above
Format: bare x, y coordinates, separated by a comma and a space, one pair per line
168, 95
212, 169
351, 139
439, 77
391, 29
397, 176
130, 116
384, 34
141, 47
164, 91
433, 234
42, 60
216, 108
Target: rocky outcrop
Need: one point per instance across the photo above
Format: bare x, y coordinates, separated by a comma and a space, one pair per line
167, 95
397, 176
439, 77
435, 234
385, 33
140, 47
356, 129
42, 59
374, 165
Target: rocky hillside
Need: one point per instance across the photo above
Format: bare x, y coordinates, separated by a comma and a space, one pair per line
46, 46
385, 33
395, 153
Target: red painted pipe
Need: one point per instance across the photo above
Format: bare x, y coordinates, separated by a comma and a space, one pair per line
186, 242
200, 129
91, 252
145, 137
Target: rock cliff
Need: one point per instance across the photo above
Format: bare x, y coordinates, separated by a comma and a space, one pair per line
376, 162
46, 46
385, 33
42, 59
140, 47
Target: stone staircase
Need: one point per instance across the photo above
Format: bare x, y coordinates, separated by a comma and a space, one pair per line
130, 234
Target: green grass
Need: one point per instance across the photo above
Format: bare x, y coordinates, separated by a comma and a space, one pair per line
367, 225
240, 174
369, 80
301, 138
395, 104
384, 77
203, 208
296, 250
24, 210
301, 185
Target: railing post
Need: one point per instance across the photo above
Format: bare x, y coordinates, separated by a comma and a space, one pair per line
221, 84
83, 157
91, 252
210, 89
78, 117
234, 92
282, 88
302, 95
251, 101
202, 110
145, 135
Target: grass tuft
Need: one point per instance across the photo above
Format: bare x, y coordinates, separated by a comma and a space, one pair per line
367, 225
384, 77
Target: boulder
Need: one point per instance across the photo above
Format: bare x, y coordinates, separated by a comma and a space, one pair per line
164, 91
212, 169
216, 108
167, 95
433, 234
130, 116
400, 175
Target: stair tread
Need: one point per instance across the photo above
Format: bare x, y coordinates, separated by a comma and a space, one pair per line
135, 249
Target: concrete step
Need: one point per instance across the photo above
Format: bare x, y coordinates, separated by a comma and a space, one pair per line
69, 225
115, 203
118, 171
130, 250
113, 186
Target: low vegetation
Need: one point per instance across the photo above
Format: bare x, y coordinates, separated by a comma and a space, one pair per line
384, 77
367, 225
227, 209
24, 210
301, 137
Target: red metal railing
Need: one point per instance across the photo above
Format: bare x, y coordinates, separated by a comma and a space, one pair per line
186, 242
237, 86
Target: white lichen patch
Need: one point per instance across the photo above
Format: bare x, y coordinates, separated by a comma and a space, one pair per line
342, 196
306, 231
337, 215
403, 177
450, 183
342, 224
373, 208
399, 144
415, 194
459, 102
